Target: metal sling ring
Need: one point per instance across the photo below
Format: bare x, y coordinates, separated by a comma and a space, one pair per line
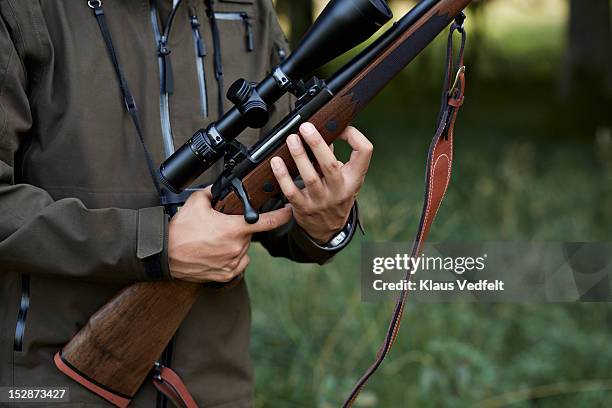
94, 3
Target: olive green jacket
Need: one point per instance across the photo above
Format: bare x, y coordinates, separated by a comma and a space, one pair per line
79, 216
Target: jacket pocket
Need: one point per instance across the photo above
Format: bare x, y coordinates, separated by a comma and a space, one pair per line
240, 17
24, 305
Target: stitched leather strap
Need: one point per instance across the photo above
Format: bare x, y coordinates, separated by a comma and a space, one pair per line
115, 398
170, 384
437, 177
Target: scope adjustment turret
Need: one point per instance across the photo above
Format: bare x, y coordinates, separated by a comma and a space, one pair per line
244, 95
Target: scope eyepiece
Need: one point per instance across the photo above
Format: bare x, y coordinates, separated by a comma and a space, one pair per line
196, 156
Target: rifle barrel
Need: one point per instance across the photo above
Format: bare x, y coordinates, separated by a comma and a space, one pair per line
345, 74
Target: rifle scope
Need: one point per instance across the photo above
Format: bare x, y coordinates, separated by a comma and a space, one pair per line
342, 25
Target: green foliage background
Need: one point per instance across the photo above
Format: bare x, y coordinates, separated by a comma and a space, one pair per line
529, 166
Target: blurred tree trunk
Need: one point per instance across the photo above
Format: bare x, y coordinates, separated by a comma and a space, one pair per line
300, 17
476, 27
587, 71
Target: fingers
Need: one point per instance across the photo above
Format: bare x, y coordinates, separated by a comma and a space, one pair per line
234, 268
329, 165
312, 180
241, 254
362, 151
227, 274
202, 198
270, 220
244, 262
267, 222
287, 186
208, 192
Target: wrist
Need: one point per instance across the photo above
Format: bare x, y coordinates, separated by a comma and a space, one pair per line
331, 237
323, 238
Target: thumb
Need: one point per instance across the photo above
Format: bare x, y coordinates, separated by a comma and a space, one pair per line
201, 198
271, 220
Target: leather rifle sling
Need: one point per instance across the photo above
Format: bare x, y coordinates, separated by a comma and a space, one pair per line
170, 384
437, 177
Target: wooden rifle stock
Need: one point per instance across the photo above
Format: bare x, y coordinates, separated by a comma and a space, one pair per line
121, 342
114, 352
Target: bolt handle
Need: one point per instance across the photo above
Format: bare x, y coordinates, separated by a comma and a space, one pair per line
251, 215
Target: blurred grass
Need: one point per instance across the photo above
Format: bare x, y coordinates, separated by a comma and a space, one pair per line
524, 170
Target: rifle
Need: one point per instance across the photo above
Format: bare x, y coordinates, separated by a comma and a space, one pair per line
120, 344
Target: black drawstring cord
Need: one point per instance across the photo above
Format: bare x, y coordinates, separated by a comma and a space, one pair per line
164, 52
128, 98
210, 12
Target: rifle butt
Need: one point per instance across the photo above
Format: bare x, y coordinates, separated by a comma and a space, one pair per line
117, 348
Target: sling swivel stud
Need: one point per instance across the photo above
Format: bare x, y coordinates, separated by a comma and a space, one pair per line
459, 20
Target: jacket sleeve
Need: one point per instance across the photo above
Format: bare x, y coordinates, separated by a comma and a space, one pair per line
39, 235
291, 241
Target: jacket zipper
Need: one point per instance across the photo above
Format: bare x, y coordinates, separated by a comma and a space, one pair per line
24, 305
166, 76
166, 80
246, 21
200, 53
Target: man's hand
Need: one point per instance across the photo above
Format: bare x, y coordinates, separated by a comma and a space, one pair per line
324, 205
205, 245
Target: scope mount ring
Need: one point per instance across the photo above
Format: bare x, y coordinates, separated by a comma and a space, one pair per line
214, 135
282, 80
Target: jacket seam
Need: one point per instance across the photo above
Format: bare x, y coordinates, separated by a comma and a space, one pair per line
19, 32
141, 272
36, 91
164, 261
20, 37
83, 190
4, 74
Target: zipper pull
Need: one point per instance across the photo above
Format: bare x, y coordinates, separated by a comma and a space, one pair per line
248, 30
195, 25
201, 47
168, 75
281, 53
